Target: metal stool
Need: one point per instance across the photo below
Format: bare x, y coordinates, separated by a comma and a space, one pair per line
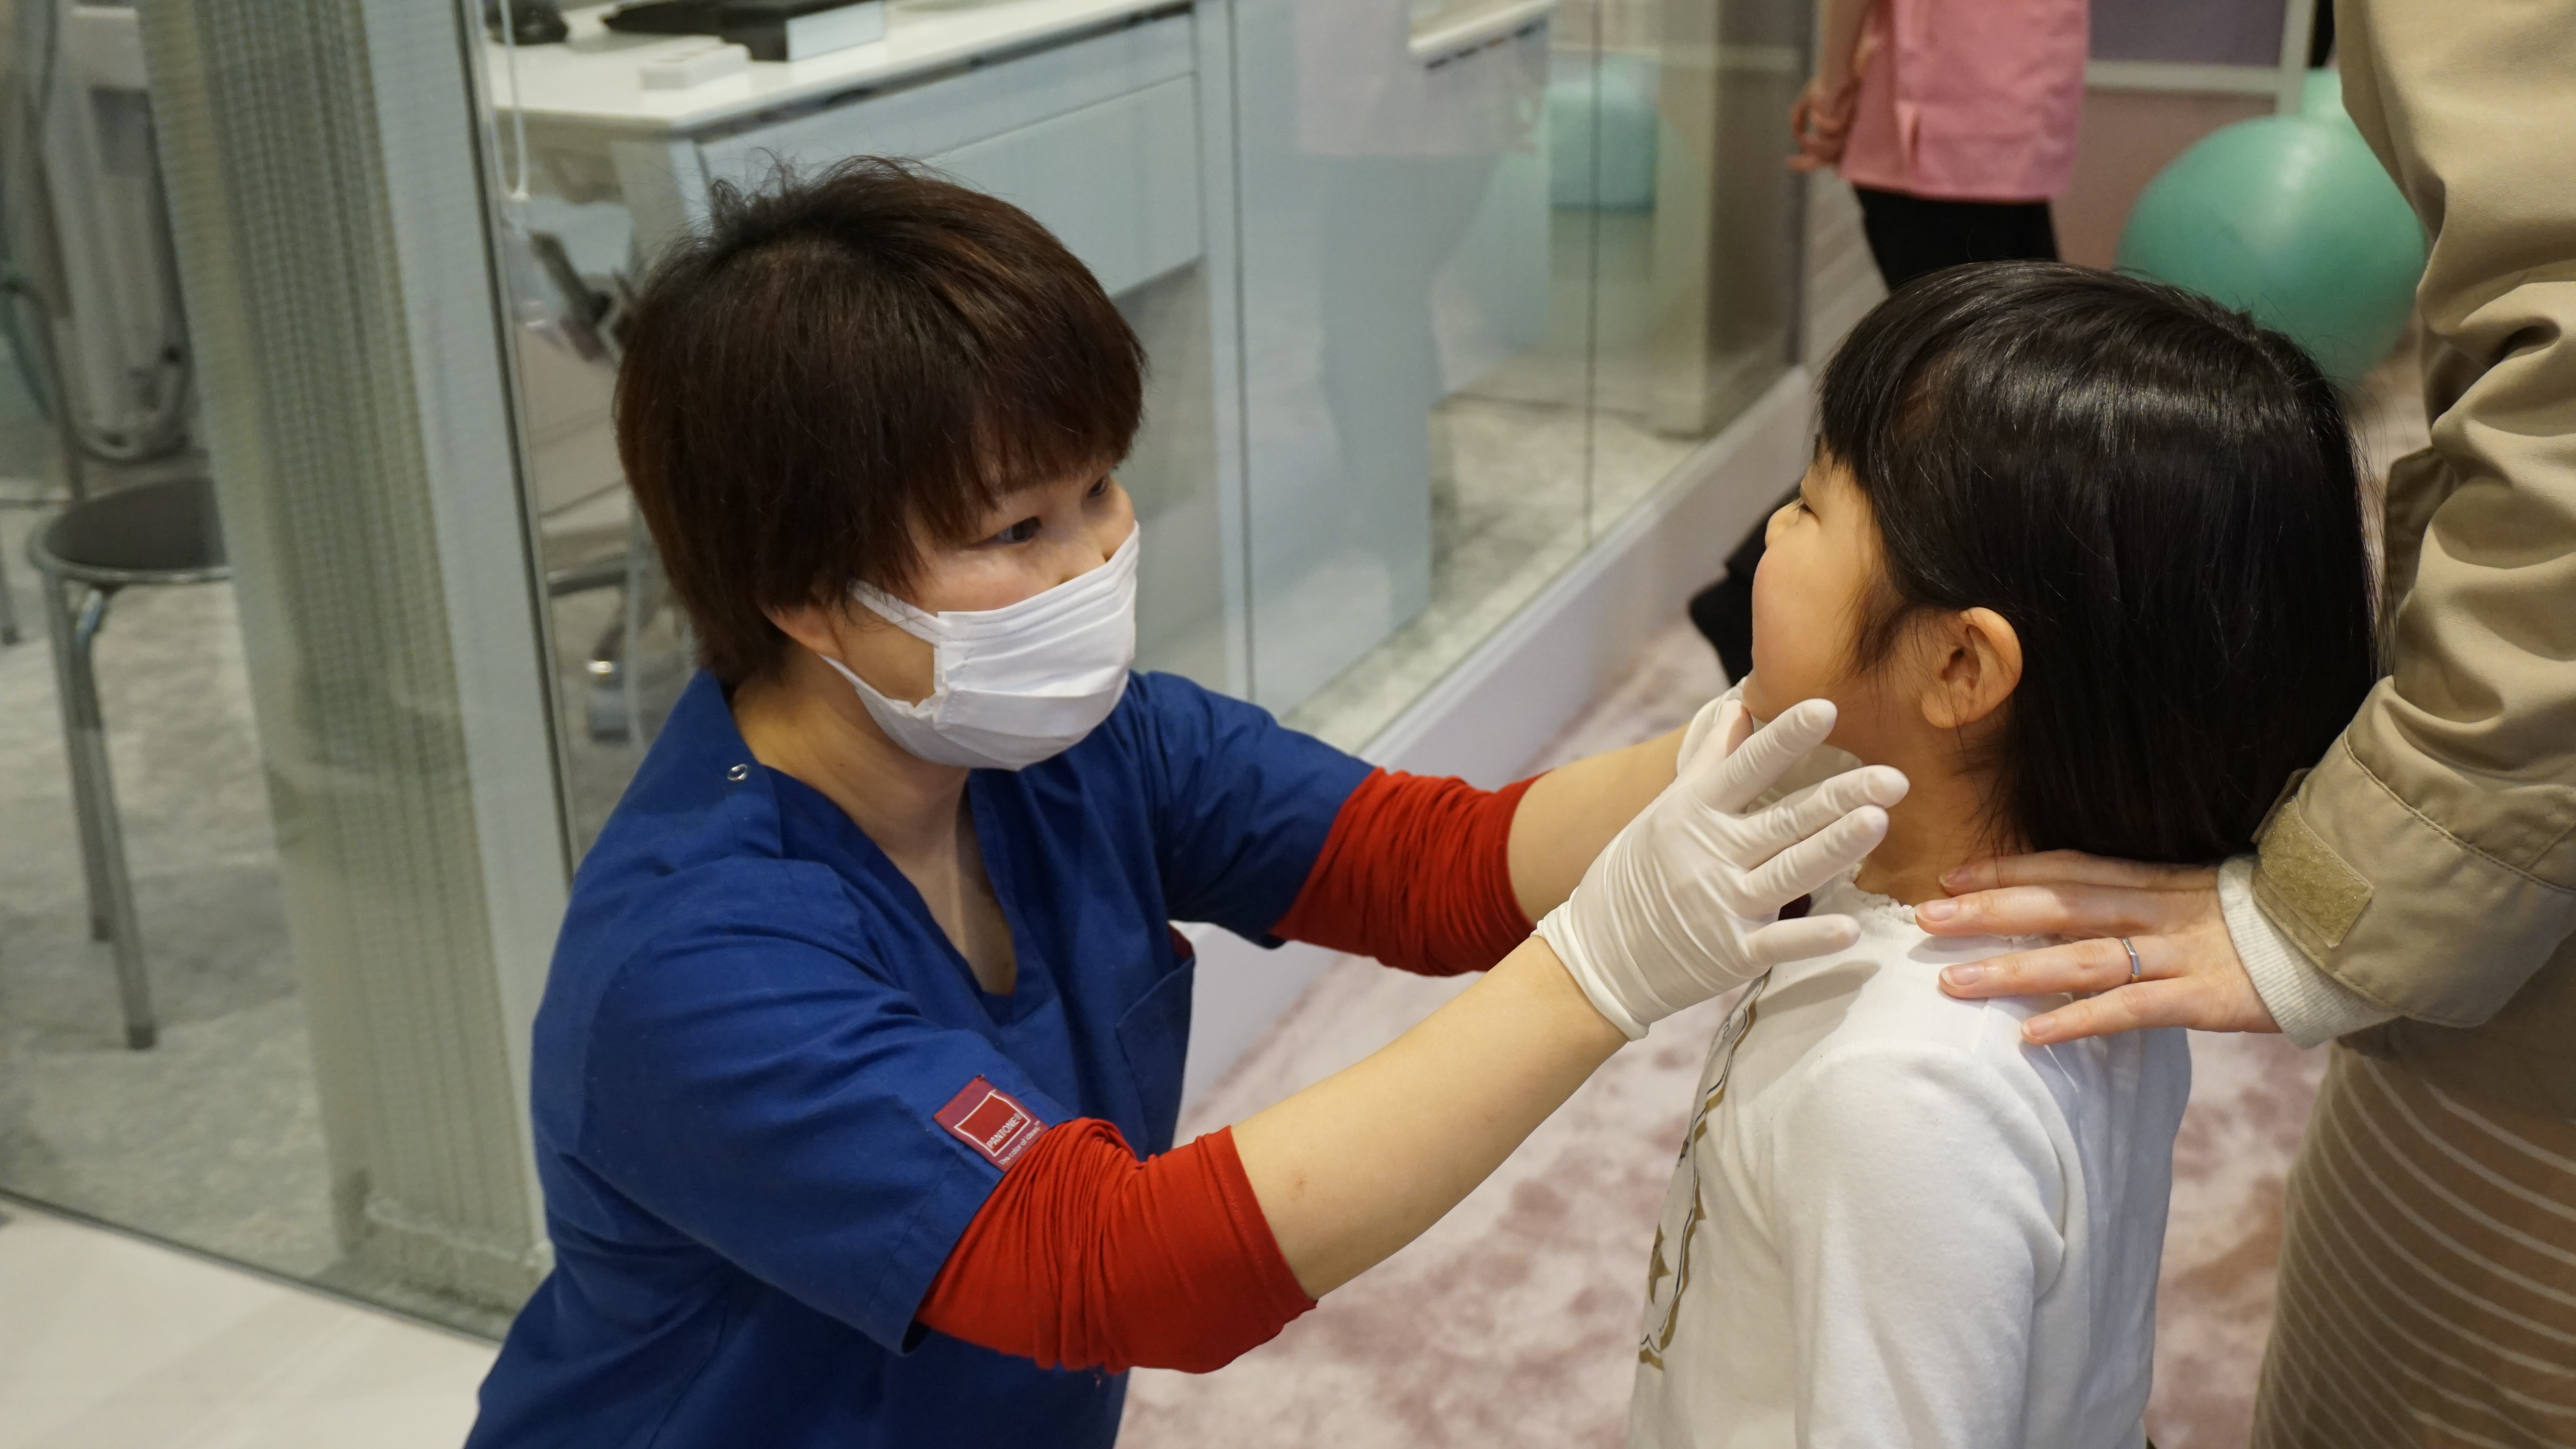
153, 533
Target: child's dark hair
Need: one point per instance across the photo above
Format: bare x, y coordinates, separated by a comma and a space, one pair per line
840, 358
2161, 496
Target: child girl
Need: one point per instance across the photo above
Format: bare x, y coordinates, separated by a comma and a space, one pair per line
2083, 556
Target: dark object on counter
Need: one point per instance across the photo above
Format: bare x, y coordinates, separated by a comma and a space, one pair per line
531, 22
665, 17
769, 29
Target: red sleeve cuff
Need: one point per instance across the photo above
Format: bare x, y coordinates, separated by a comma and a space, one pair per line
1416, 873
1084, 1257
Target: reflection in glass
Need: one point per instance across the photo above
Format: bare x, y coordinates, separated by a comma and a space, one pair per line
1486, 272
206, 1132
1554, 252
1695, 222
334, 786
620, 650
1397, 251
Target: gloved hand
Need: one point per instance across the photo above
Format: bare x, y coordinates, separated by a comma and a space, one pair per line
1685, 902
1697, 733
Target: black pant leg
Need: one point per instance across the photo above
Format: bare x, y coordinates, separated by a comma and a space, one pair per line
1913, 235
1907, 236
2006, 231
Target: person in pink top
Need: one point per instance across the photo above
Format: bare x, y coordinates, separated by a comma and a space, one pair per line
1954, 121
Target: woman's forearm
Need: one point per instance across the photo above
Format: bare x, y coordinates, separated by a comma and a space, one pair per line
1838, 41
1359, 1164
1571, 812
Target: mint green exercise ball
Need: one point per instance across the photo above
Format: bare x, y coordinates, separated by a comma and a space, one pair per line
2321, 96
2291, 219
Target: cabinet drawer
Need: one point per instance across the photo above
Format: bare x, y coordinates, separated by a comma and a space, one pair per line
1117, 182
1098, 139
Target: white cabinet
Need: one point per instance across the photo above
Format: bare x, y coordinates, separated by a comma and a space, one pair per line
1097, 138
1117, 182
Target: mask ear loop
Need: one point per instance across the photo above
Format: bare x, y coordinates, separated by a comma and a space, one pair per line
917, 622
866, 689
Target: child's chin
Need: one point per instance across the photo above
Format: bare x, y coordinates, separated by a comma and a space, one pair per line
1757, 700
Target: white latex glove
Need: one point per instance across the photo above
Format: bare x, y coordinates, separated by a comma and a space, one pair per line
1701, 724
1685, 902
1822, 763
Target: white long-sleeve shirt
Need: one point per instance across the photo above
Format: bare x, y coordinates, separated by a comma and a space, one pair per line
1893, 1224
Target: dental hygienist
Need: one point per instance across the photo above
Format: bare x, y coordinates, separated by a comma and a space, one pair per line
868, 999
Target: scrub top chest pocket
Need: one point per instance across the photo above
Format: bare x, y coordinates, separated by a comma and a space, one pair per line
1155, 1037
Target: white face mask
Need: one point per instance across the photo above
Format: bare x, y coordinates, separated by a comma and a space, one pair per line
1014, 685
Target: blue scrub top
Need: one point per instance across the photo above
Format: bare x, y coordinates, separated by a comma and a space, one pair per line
752, 1028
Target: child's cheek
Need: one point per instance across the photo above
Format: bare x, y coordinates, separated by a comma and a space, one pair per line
1773, 657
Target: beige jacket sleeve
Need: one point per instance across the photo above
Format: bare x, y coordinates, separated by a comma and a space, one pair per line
2309, 1006
2428, 863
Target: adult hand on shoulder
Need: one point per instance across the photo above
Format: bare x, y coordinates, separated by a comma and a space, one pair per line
1685, 901
2187, 972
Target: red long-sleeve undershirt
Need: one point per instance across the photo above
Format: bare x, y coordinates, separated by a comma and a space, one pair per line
1084, 1257
1417, 873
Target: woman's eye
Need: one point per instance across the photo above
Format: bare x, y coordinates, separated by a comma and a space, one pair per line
1020, 532
1099, 489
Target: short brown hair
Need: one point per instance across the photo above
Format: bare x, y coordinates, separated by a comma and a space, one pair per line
836, 361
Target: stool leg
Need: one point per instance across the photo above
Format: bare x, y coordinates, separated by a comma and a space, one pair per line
8, 608
94, 799
61, 619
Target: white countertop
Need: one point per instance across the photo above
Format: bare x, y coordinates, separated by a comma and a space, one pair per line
591, 79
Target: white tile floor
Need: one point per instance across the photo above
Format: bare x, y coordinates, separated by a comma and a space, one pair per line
108, 1342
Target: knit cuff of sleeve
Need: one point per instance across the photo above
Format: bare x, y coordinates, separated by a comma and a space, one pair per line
1417, 874
2310, 1006
1084, 1257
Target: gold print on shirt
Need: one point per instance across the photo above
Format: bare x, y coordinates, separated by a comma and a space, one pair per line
1650, 1349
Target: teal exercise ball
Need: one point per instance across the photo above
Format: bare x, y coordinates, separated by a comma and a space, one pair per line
2321, 96
2292, 219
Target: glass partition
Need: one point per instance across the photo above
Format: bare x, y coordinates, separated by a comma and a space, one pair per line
1413, 339
284, 845
1507, 266
1692, 218
1435, 292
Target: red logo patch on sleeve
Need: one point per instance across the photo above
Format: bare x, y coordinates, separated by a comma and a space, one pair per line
991, 1121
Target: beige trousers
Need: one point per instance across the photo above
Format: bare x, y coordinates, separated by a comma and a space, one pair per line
2428, 1272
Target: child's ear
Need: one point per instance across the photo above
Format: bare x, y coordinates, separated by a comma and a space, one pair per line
1978, 666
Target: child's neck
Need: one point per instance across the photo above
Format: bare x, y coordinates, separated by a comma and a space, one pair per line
1942, 822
